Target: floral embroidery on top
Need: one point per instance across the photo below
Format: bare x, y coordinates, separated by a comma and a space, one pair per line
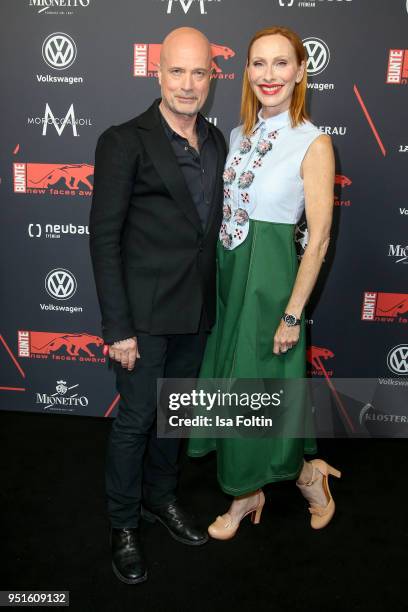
245, 146
226, 240
229, 175
241, 216
239, 176
245, 180
226, 212
263, 147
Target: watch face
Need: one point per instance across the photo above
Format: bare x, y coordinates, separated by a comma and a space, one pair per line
290, 319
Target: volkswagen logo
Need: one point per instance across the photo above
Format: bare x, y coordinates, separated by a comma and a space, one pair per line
318, 55
397, 359
59, 51
60, 284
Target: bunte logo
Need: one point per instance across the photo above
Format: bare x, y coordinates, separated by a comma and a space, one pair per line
146, 60
397, 69
38, 179
59, 346
385, 307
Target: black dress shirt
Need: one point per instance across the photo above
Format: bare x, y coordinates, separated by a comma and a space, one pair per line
198, 168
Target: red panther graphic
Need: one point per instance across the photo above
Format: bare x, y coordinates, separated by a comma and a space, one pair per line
71, 174
314, 354
73, 343
216, 50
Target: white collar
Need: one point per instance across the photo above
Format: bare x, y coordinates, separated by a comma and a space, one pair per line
273, 123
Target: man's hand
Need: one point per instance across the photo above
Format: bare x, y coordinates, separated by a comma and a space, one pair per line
125, 352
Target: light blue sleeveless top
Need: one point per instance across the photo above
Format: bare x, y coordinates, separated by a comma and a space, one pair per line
262, 176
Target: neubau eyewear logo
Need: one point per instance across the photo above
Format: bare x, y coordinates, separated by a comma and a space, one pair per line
309, 3
318, 55
56, 230
59, 51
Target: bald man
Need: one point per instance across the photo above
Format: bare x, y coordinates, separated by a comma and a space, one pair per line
155, 217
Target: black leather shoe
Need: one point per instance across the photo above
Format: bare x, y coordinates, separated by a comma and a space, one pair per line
178, 523
128, 562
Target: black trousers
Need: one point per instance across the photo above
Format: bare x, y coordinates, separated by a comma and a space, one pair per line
140, 466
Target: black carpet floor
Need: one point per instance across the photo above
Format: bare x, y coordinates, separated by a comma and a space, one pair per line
54, 530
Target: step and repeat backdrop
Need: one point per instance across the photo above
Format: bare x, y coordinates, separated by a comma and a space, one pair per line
72, 68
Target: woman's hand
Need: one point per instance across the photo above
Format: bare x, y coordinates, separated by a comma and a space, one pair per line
285, 338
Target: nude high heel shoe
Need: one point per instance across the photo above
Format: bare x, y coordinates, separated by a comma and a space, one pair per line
224, 527
321, 515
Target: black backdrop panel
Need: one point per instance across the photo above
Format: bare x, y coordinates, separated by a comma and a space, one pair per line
71, 68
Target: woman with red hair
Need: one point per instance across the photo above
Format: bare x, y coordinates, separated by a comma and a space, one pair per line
279, 165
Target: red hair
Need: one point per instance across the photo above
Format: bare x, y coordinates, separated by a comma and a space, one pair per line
250, 104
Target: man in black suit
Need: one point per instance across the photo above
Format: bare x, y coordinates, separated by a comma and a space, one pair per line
154, 224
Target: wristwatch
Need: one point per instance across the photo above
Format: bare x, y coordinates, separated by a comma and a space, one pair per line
290, 319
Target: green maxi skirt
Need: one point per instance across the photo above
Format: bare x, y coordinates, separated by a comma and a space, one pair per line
255, 281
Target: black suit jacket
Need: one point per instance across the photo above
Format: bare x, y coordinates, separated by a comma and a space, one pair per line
153, 263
